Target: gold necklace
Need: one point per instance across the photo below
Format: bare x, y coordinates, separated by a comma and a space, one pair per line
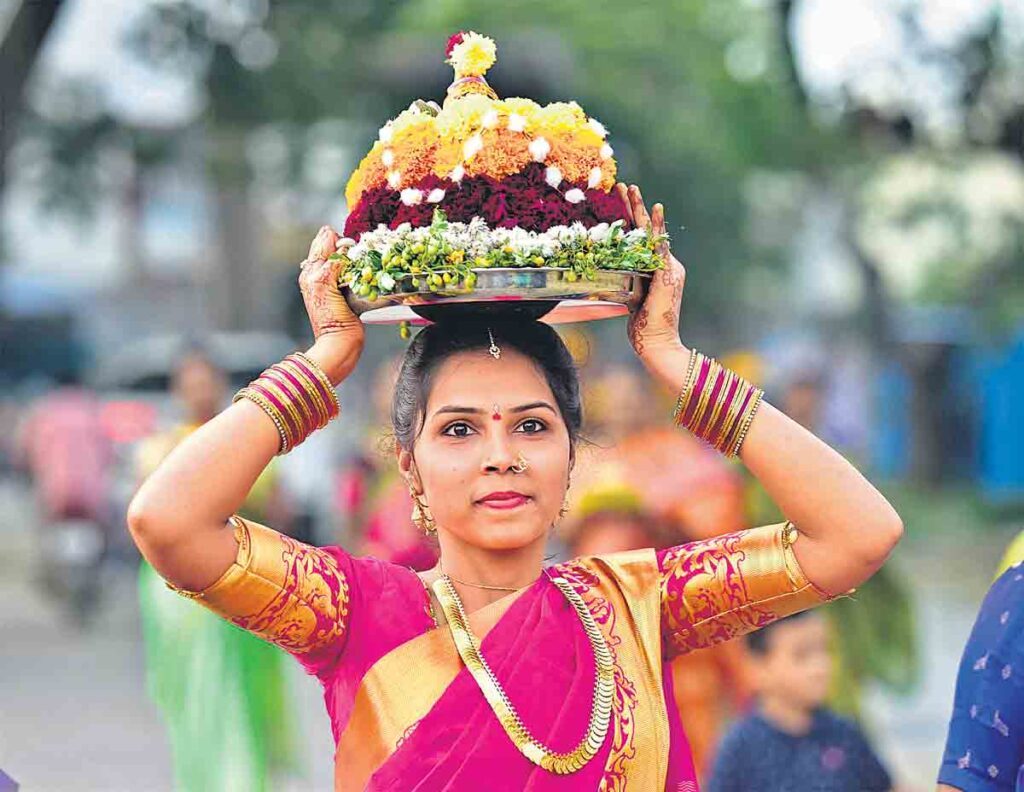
440, 568
531, 748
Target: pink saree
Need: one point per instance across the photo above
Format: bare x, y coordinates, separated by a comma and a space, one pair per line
407, 715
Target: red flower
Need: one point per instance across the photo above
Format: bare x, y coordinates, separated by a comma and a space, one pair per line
453, 42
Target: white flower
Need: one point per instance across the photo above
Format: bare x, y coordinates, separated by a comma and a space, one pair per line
472, 146
385, 281
412, 196
539, 149
457, 173
607, 151
388, 158
436, 195
394, 180
553, 176
517, 122
490, 119
597, 126
575, 196
403, 228
599, 233
595, 177
385, 133
344, 242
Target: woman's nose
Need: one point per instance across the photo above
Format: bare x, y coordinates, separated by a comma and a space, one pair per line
499, 456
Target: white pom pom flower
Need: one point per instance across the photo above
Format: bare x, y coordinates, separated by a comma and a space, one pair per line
436, 195
472, 146
539, 149
607, 151
388, 158
553, 176
394, 180
575, 196
457, 173
595, 177
384, 133
517, 122
490, 119
597, 126
412, 196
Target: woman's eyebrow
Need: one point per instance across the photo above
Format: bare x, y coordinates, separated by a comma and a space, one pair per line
456, 408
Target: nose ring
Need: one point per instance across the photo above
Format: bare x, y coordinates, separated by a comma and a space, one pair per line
521, 464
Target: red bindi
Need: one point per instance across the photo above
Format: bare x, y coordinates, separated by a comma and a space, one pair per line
496, 415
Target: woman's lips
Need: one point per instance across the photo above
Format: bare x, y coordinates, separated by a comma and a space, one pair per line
504, 500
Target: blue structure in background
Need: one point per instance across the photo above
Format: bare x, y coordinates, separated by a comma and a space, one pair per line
890, 450
1001, 430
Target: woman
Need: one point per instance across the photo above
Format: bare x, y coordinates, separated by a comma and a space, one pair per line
569, 693
222, 692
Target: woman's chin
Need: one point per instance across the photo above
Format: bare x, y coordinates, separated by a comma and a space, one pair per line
506, 534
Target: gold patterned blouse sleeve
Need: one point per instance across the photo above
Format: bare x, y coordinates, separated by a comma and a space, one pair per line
715, 590
286, 592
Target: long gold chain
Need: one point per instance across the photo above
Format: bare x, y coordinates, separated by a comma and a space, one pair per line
532, 748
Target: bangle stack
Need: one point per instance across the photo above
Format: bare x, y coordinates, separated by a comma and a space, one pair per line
716, 404
296, 395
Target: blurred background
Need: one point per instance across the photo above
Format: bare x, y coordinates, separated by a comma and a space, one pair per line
845, 182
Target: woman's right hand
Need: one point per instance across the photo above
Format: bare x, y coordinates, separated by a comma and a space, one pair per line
337, 332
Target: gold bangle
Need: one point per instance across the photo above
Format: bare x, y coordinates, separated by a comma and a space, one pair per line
268, 408
289, 406
705, 397
323, 417
324, 380
733, 415
677, 413
716, 411
747, 421
310, 415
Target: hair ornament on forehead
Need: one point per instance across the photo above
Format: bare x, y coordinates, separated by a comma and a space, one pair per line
495, 350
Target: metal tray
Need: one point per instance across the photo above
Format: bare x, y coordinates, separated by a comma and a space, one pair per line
541, 293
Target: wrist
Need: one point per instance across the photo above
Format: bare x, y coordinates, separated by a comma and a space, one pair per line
668, 364
336, 356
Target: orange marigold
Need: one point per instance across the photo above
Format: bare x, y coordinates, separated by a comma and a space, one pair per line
369, 174
504, 153
575, 161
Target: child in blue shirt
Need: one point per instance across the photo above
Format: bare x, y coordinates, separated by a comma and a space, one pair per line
791, 743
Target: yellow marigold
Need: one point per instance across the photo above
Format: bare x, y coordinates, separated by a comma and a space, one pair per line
504, 152
447, 155
473, 56
525, 107
460, 118
369, 174
410, 119
560, 117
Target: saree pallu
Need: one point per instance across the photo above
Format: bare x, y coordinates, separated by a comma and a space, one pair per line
408, 717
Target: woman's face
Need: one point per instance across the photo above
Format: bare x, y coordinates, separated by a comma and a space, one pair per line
481, 415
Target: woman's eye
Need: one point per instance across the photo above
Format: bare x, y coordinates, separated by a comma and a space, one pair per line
458, 429
532, 426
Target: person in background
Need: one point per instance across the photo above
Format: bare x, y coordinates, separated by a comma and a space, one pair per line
791, 742
221, 690
984, 751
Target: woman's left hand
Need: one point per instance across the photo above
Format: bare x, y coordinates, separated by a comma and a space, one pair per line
654, 325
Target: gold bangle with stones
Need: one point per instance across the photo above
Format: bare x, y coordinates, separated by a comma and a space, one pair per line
323, 416
260, 401
732, 414
745, 426
681, 401
324, 380
699, 359
749, 399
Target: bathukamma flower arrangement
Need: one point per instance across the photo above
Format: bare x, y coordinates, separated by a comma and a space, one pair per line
460, 202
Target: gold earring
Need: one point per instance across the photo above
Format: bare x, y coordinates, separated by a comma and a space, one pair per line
421, 515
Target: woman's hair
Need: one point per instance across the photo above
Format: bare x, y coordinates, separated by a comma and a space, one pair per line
438, 342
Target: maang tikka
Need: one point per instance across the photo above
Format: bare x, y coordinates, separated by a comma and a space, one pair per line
495, 350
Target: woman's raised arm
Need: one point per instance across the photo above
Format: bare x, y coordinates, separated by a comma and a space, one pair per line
180, 517
847, 527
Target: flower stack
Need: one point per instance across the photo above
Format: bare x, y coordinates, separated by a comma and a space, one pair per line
485, 182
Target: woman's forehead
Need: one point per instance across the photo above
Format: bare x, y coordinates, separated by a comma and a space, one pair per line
476, 378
